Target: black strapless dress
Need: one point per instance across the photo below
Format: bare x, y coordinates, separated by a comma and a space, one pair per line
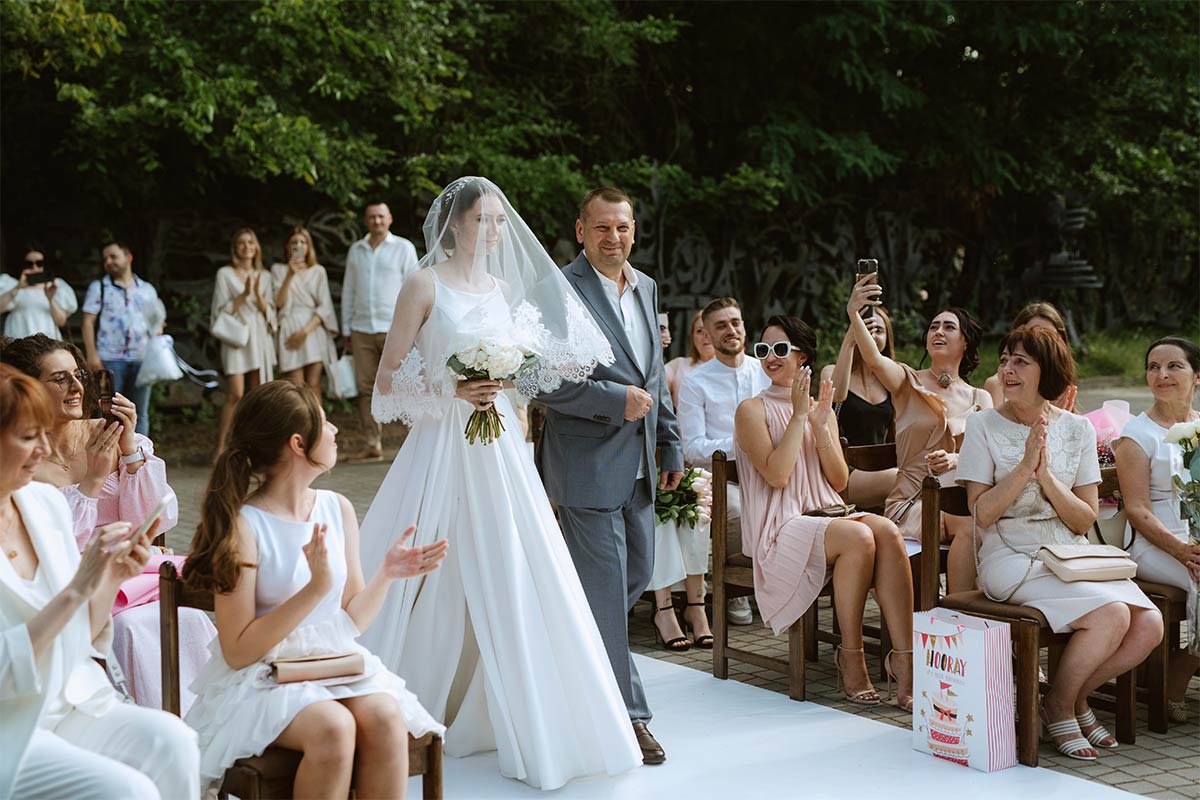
865, 423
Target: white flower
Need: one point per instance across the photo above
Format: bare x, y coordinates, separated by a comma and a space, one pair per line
1181, 432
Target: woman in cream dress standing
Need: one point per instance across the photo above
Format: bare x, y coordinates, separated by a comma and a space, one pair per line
244, 291
307, 322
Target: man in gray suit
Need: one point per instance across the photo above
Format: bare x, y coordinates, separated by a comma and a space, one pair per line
596, 453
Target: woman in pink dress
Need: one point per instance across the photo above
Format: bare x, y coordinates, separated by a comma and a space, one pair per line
700, 349
109, 473
791, 443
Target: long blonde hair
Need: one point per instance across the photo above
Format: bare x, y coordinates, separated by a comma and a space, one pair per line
310, 253
266, 419
233, 256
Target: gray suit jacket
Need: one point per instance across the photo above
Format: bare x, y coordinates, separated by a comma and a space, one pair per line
589, 455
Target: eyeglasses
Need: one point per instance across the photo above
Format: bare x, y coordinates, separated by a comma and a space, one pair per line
779, 350
35, 263
63, 379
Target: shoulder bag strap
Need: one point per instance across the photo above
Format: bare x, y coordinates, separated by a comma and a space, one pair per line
975, 549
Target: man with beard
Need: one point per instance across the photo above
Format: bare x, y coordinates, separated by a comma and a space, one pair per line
708, 400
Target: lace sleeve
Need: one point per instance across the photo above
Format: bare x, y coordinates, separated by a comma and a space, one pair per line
572, 357
414, 393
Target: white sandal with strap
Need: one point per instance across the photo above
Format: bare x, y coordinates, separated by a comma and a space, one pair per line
1098, 734
1071, 747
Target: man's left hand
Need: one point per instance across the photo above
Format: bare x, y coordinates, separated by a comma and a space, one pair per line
670, 480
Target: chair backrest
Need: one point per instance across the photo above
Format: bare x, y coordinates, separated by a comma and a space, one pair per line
869, 457
1109, 485
172, 593
537, 422
724, 472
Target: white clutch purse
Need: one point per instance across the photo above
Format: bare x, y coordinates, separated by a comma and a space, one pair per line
231, 330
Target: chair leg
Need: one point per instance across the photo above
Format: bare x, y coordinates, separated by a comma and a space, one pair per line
720, 625
1054, 654
1156, 667
1025, 639
810, 632
1126, 702
796, 666
431, 781
885, 647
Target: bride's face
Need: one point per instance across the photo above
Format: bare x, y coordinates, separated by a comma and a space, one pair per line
481, 225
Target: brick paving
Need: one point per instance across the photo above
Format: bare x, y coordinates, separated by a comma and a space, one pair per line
1164, 766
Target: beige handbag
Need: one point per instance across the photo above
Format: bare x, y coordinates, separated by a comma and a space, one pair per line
231, 330
1087, 562
832, 512
315, 668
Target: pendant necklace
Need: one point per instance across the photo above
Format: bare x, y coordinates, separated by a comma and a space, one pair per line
944, 379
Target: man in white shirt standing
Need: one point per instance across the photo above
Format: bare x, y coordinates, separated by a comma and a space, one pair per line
376, 266
708, 400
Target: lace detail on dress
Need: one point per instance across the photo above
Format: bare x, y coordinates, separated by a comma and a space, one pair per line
413, 394
571, 359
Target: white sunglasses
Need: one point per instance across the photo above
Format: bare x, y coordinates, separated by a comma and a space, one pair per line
779, 349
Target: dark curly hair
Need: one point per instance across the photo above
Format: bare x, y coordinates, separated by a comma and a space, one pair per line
26, 354
799, 334
972, 336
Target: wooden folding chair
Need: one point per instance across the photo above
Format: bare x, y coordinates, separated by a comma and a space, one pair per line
1030, 633
273, 774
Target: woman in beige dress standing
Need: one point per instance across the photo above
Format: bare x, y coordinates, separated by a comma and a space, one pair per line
932, 406
307, 322
244, 291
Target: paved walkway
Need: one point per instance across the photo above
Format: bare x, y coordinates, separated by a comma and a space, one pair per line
1165, 766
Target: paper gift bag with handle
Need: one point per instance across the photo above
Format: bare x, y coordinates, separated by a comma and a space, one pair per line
963, 690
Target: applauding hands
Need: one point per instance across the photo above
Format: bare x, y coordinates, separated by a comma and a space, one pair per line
402, 561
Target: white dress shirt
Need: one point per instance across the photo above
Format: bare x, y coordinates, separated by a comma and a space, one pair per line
637, 330
708, 400
372, 283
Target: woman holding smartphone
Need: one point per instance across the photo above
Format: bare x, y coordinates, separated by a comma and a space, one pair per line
307, 321
35, 301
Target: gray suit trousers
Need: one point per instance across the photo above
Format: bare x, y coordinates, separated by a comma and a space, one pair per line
613, 551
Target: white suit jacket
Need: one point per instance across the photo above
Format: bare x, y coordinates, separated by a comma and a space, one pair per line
25, 684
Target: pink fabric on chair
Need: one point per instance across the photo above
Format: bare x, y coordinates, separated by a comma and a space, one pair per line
788, 548
136, 647
144, 588
124, 496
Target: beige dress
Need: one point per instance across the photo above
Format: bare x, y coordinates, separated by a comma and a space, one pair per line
922, 426
787, 547
307, 294
992, 448
259, 351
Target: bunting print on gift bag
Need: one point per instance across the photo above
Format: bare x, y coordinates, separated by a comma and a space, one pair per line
963, 685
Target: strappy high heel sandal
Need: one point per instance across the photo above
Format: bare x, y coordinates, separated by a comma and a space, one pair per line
1097, 735
705, 640
864, 697
1177, 710
904, 704
1066, 727
677, 645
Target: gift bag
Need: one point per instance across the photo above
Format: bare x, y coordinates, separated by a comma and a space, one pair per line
341, 378
963, 690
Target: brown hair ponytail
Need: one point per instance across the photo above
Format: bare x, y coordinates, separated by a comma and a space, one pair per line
266, 419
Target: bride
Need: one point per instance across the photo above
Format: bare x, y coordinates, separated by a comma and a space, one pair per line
500, 643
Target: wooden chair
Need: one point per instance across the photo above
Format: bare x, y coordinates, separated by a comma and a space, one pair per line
733, 576
1030, 633
272, 774
1171, 602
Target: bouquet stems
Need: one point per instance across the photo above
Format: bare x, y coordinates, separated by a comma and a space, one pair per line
485, 426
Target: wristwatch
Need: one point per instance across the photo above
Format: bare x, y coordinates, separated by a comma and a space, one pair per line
134, 457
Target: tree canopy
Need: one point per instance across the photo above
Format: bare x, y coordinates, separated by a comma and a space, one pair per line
766, 144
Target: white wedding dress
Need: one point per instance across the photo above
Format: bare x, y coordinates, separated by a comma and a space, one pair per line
500, 642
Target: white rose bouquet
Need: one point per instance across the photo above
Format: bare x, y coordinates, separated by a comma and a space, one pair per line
497, 358
690, 503
1187, 436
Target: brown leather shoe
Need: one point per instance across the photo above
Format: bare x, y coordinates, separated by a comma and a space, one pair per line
366, 456
652, 752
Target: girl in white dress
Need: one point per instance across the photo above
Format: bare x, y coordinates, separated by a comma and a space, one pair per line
32, 307
283, 562
1030, 471
307, 321
243, 290
1147, 465
500, 644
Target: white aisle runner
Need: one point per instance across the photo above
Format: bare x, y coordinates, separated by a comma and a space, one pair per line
732, 740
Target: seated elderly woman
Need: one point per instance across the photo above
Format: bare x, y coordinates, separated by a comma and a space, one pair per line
108, 472
1146, 465
68, 734
1030, 471
787, 445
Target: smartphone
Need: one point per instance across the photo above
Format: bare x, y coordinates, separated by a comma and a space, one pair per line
155, 514
106, 387
37, 278
866, 266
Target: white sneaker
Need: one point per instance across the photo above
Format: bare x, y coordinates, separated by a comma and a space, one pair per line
738, 612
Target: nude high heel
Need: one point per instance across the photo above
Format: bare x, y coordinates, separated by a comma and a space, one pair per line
901, 703
864, 697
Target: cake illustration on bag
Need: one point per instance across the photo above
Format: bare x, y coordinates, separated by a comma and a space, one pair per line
945, 727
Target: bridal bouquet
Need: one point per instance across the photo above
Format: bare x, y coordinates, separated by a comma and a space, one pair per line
1187, 436
497, 358
690, 503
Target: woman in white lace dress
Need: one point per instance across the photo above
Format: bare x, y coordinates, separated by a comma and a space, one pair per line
1030, 471
282, 560
500, 644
